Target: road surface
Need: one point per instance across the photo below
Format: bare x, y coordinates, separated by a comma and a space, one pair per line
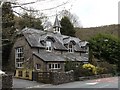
111, 82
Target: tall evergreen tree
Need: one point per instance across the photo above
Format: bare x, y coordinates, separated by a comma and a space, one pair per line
8, 21
8, 29
67, 27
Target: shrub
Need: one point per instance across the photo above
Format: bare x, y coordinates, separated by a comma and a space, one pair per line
108, 68
90, 67
100, 70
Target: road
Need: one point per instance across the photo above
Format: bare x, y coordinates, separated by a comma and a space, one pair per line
111, 82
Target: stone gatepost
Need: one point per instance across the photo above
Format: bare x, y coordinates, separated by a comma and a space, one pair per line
7, 81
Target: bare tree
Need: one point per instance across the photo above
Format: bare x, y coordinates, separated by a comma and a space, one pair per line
73, 17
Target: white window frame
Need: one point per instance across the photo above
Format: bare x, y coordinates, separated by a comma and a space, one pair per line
53, 66
70, 50
18, 51
48, 46
37, 66
19, 64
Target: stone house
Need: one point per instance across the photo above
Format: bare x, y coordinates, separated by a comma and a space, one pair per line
46, 51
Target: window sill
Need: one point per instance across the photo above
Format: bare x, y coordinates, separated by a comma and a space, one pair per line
19, 67
37, 69
55, 69
70, 52
48, 51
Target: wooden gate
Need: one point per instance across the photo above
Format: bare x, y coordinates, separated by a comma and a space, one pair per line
44, 77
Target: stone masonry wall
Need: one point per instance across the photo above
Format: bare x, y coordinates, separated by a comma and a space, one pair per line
62, 77
7, 82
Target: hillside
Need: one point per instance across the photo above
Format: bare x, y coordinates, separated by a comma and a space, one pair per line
86, 33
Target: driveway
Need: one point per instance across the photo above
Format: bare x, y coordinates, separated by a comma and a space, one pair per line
21, 83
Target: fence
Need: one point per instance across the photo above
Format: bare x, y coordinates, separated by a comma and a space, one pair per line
44, 77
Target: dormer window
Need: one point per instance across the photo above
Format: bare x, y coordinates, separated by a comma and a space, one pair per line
48, 46
70, 48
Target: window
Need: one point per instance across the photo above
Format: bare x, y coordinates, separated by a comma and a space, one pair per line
20, 73
19, 58
27, 74
38, 66
57, 29
54, 66
48, 46
70, 48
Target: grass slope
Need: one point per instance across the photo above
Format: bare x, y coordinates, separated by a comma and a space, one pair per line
86, 33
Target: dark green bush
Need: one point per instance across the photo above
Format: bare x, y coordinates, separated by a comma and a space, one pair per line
108, 68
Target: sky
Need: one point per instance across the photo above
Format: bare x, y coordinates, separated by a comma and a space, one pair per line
91, 13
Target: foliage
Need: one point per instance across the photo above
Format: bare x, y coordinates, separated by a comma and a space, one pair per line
108, 68
67, 27
74, 19
90, 67
8, 21
29, 21
106, 47
82, 70
8, 30
92, 59
69, 65
6, 49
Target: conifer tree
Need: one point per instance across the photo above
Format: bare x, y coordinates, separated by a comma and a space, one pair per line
8, 30
67, 27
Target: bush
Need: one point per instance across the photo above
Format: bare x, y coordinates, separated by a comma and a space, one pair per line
83, 70
100, 70
90, 67
108, 68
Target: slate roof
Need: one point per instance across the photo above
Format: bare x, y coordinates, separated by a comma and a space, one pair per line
59, 46
49, 56
35, 37
77, 47
67, 39
74, 57
33, 40
83, 43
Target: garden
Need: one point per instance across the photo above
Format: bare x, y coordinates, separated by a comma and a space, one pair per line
104, 57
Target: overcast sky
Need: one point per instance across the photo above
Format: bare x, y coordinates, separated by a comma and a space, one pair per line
91, 13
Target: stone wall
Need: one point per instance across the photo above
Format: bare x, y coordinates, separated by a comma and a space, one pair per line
62, 77
7, 81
